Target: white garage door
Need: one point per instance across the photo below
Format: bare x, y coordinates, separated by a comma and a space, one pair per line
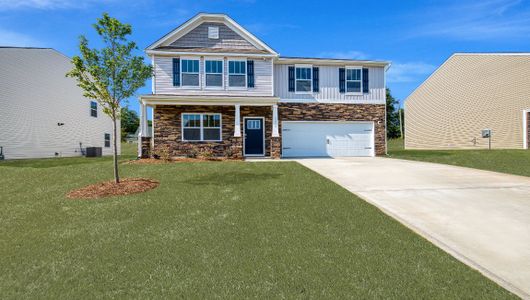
327, 139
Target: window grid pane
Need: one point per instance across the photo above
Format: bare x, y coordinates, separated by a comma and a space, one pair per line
237, 67
303, 73
214, 66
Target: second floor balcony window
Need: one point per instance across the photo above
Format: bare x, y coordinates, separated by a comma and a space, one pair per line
190, 72
237, 73
214, 73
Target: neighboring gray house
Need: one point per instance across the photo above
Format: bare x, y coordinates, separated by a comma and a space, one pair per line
43, 113
218, 88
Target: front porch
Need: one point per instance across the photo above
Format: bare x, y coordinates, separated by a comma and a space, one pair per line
231, 127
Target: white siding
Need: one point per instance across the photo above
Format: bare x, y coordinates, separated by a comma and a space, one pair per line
164, 80
329, 87
35, 96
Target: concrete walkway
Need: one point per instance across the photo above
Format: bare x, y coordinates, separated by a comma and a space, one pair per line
480, 217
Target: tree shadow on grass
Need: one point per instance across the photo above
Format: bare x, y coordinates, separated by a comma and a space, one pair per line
232, 178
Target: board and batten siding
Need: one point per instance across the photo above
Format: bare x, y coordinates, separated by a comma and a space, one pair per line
164, 79
198, 38
469, 93
35, 97
329, 87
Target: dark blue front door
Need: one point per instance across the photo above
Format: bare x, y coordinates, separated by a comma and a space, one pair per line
254, 136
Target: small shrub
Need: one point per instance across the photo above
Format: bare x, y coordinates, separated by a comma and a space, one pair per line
229, 152
207, 154
162, 153
192, 153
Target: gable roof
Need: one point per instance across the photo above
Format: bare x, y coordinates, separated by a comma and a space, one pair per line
200, 18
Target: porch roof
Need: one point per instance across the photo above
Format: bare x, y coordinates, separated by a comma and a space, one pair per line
159, 99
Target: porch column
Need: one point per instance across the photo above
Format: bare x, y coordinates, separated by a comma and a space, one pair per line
142, 130
237, 122
275, 132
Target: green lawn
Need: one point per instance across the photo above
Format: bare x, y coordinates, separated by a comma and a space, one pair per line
212, 230
505, 161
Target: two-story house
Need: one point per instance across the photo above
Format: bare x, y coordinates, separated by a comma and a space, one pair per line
217, 88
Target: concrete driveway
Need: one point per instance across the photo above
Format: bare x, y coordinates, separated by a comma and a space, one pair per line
480, 217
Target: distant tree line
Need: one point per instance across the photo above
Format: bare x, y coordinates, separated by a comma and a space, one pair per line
393, 119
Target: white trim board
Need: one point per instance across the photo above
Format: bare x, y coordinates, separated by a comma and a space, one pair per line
525, 128
204, 17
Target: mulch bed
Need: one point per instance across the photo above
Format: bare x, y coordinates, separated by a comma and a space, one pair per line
126, 186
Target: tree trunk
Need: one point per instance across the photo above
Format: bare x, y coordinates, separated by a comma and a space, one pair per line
115, 151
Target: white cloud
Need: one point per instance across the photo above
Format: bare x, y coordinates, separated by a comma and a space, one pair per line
44, 4
12, 38
408, 72
475, 20
352, 54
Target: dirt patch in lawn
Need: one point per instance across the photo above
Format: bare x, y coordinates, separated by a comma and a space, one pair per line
105, 189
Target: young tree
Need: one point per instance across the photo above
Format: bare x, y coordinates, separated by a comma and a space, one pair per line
392, 116
110, 74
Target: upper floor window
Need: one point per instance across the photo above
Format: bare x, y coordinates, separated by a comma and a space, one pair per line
190, 72
93, 109
354, 80
237, 73
303, 79
214, 73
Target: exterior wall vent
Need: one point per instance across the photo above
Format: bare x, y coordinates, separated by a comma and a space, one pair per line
213, 32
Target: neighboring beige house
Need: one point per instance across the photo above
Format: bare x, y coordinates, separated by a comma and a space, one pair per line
43, 113
468, 93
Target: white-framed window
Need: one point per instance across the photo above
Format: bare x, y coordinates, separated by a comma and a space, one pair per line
237, 73
189, 72
201, 127
107, 140
254, 124
303, 79
94, 109
354, 80
213, 70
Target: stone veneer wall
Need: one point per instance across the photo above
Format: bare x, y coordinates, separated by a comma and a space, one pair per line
168, 133
146, 147
339, 112
167, 125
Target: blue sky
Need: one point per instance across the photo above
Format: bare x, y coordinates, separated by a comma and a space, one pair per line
417, 36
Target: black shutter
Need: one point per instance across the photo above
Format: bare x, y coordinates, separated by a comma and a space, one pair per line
250, 73
176, 71
366, 81
315, 79
342, 80
291, 78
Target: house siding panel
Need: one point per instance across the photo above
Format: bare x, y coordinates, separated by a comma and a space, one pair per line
198, 38
164, 79
329, 87
36, 96
468, 93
